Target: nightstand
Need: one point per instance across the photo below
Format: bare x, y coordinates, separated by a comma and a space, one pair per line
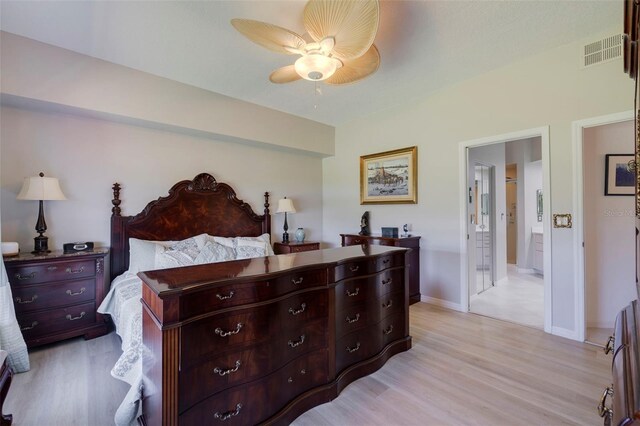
294, 247
56, 295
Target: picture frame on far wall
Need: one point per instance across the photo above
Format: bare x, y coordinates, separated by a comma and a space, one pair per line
619, 176
389, 177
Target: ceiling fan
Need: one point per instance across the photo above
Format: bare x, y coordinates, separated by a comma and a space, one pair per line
339, 48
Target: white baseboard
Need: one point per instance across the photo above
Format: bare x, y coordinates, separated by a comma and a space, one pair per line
442, 303
566, 333
600, 324
526, 271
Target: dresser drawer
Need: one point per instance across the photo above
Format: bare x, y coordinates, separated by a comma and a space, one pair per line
354, 240
391, 328
31, 298
228, 296
389, 281
355, 347
301, 308
307, 247
45, 272
385, 306
223, 372
255, 402
355, 269
352, 292
224, 332
352, 318
58, 319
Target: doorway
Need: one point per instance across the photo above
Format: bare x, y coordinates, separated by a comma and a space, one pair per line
605, 245
504, 236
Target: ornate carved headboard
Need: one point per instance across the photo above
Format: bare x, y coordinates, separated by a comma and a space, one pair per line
192, 207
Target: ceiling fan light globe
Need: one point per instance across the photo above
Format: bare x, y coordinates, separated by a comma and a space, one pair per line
316, 67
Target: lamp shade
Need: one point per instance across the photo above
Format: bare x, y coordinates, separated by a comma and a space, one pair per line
285, 205
41, 188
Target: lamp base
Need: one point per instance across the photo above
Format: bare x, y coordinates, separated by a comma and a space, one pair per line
41, 245
285, 237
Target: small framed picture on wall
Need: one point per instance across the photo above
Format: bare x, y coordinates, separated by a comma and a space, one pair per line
619, 174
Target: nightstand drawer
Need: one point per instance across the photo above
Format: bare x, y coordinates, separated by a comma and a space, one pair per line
63, 293
307, 247
59, 271
60, 319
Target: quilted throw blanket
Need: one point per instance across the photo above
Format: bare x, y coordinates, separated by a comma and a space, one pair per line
122, 302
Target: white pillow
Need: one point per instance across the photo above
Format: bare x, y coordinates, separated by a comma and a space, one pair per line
264, 238
142, 254
249, 248
182, 253
214, 252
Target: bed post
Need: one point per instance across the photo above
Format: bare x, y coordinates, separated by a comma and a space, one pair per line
116, 257
266, 225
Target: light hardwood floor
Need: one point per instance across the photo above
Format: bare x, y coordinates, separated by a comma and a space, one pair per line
463, 369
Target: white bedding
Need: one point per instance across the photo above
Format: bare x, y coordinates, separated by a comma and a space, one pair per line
122, 302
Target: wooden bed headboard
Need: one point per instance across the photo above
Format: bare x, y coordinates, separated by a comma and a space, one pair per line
192, 207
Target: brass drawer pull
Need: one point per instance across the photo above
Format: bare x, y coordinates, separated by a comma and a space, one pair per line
609, 346
296, 344
387, 281
354, 319
354, 268
603, 410
223, 372
52, 268
385, 261
358, 241
25, 277
77, 293
388, 304
226, 416
22, 302
388, 330
70, 318
355, 293
353, 349
298, 281
222, 333
298, 311
74, 271
29, 327
228, 296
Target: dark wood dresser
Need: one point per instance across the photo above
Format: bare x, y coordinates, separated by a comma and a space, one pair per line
259, 341
625, 389
295, 247
408, 242
5, 382
56, 295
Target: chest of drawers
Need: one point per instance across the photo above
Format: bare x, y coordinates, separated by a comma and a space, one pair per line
262, 340
413, 258
56, 295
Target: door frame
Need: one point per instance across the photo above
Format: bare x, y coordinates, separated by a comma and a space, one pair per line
543, 134
578, 127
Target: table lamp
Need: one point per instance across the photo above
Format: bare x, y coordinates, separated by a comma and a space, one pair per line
285, 206
42, 189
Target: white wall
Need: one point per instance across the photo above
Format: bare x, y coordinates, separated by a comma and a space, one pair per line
608, 228
89, 155
91, 123
547, 89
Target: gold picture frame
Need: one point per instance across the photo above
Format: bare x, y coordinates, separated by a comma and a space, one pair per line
389, 177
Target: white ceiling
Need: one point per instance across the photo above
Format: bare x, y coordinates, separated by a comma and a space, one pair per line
424, 45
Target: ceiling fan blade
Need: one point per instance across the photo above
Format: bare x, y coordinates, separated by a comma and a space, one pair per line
353, 70
284, 75
270, 36
353, 24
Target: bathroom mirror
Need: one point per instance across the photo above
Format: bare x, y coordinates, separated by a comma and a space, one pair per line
539, 204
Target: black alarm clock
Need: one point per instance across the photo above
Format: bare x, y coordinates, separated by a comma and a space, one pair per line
77, 247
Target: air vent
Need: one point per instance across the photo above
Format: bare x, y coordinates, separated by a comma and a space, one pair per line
602, 51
